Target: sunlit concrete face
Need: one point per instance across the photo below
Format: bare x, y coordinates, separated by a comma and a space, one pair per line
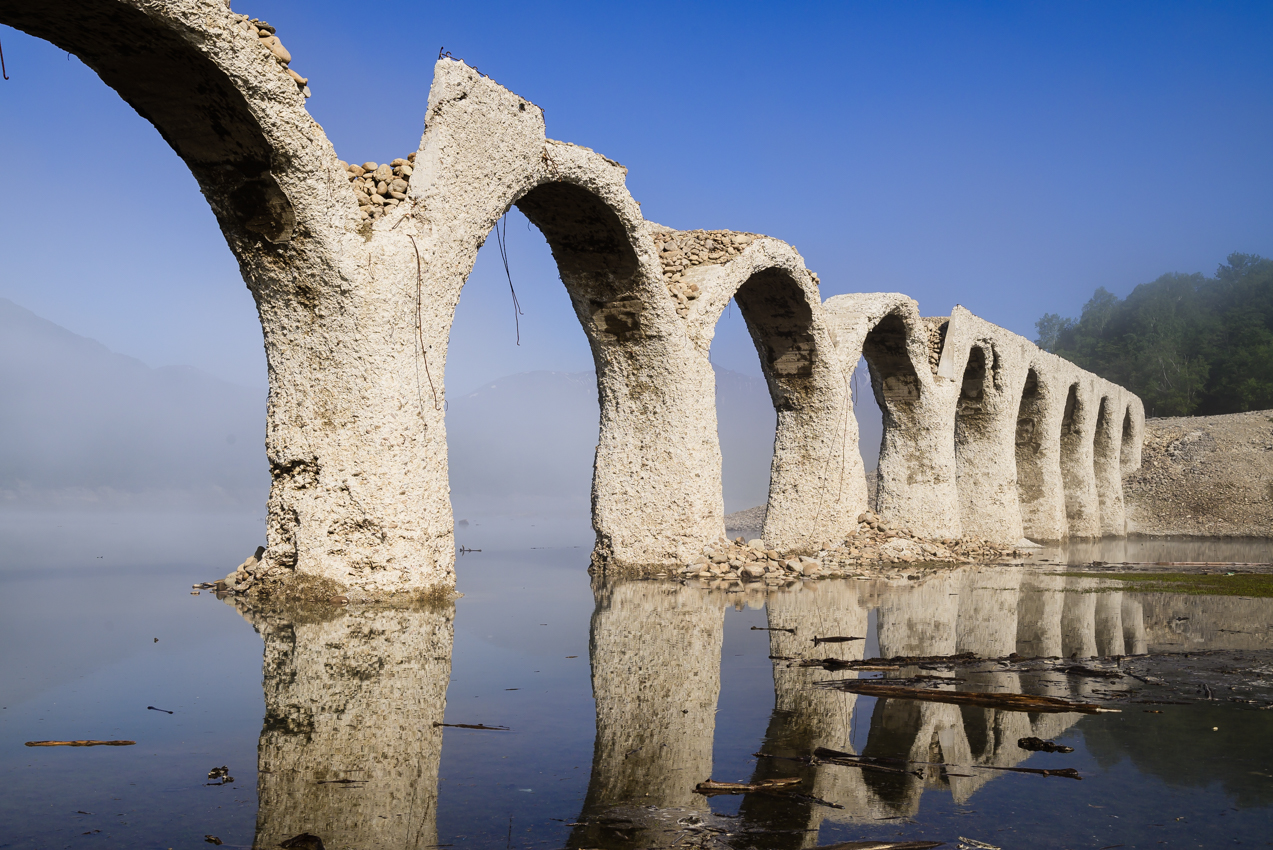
985, 434
350, 745
356, 315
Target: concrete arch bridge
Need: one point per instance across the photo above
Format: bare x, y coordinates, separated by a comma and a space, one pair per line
984, 434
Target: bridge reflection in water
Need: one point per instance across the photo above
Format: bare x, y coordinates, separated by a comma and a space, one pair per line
349, 750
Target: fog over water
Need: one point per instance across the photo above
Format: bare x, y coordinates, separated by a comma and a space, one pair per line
84, 427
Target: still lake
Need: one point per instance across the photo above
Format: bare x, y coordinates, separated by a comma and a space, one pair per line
619, 698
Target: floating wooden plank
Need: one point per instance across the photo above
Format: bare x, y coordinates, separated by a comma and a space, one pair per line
474, 726
80, 743
1006, 702
836, 757
880, 845
711, 788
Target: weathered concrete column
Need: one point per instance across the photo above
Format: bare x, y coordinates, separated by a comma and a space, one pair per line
1078, 620
817, 486
917, 464
1078, 431
1109, 624
655, 653
1039, 615
348, 747
1107, 453
988, 367
1040, 485
807, 716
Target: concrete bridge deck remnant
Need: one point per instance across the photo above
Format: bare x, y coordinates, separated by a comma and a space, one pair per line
357, 271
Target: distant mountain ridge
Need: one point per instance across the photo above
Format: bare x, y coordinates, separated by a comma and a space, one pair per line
80, 424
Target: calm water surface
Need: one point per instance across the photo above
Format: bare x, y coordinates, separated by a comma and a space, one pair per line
619, 698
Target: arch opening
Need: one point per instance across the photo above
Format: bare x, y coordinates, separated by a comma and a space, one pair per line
971, 410
523, 443
896, 388
594, 256
893, 378
521, 414
189, 100
779, 321
972, 420
870, 420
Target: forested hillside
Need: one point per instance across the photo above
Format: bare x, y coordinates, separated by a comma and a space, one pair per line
1186, 344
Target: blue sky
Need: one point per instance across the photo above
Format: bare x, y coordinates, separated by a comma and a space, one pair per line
1010, 157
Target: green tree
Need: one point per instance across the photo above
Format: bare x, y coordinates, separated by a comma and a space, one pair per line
1186, 344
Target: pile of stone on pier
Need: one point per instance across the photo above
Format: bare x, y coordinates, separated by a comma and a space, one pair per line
269, 40
379, 187
681, 250
874, 546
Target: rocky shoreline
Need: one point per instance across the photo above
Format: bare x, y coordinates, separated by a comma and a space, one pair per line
874, 549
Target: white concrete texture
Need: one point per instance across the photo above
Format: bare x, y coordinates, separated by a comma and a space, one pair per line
349, 750
985, 434
357, 283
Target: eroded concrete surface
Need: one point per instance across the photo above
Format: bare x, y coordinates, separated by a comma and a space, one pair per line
357, 275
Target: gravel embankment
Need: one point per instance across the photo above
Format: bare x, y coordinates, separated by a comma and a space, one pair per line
1208, 476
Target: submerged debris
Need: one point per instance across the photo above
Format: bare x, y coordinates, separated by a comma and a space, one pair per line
1038, 745
221, 775
822, 755
711, 788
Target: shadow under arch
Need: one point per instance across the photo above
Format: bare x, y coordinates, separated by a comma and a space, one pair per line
587, 238
180, 91
897, 388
